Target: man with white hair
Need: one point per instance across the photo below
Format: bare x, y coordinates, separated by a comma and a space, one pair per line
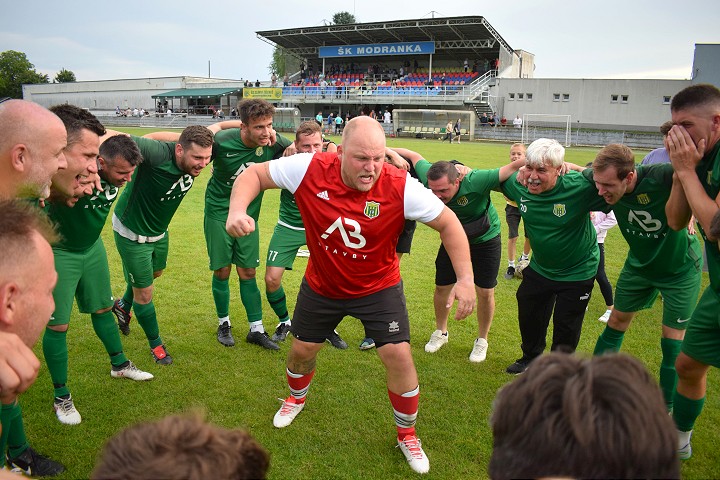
556, 211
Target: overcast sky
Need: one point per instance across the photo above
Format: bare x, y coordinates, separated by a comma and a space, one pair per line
156, 38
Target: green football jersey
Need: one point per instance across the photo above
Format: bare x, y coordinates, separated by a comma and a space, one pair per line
656, 250
289, 213
230, 157
80, 226
472, 199
150, 200
708, 171
557, 222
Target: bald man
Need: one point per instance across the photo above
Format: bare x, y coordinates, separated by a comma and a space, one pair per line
354, 205
27, 279
31, 149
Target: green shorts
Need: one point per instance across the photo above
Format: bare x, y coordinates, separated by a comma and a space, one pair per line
702, 339
634, 292
84, 276
141, 260
284, 245
224, 250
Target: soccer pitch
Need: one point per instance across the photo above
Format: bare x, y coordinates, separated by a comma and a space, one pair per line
347, 428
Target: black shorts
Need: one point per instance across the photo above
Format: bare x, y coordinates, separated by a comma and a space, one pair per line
485, 259
512, 217
383, 314
405, 240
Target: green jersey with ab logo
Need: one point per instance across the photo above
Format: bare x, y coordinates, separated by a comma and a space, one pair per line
557, 222
230, 157
656, 250
472, 199
708, 171
150, 200
80, 226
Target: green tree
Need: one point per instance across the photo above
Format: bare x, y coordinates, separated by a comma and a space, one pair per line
344, 18
64, 76
283, 62
15, 70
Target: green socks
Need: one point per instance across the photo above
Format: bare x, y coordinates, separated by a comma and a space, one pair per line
128, 297
56, 356
668, 375
107, 331
221, 295
278, 303
610, 340
147, 318
250, 296
15, 437
686, 411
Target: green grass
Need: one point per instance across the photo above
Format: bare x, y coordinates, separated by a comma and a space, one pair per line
347, 429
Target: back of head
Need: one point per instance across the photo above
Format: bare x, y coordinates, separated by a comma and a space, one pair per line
615, 155
21, 122
76, 120
121, 146
700, 95
308, 127
545, 151
20, 220
196, 134
181, 448
442, 169
253, 109
665, 127
567, 416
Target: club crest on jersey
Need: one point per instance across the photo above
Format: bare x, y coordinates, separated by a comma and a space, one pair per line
643, 199
462, 201
259, 151
372, 209
559, 209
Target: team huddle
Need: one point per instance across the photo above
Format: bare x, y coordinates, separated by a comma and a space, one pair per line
350, 204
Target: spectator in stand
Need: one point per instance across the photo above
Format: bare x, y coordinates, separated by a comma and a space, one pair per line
491, 120
495, 119
257, 83
503, 121
273, 80
517, 123
387, 117
484, 120
465, 65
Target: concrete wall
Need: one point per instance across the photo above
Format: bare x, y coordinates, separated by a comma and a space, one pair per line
108, 94
706, 64
590, 101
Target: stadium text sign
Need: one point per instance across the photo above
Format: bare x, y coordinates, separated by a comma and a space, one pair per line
262, 92
369, 50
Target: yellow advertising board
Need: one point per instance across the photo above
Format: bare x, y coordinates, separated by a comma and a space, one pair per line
266, 93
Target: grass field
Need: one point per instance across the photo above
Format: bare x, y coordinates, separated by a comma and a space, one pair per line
347, 429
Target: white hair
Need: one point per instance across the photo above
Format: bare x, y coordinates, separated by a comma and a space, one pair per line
545, 151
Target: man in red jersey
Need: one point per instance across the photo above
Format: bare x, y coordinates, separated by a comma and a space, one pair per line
354, 207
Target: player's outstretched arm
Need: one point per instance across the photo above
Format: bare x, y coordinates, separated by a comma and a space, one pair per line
456, 243
18, 367
227, 124
412, 157
510, 168
247, 186
163, 136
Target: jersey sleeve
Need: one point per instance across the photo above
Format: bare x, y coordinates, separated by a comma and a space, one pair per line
511, 188
483, 180
421, 169
288, 172
420, 203
153, 151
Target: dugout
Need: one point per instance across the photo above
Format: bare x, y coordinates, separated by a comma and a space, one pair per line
423, 123
286, 119
199, 101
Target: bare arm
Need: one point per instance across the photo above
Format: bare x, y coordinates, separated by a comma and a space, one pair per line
456, 243
227, 124
111, 133
163, 136
247, 186
685, 156
413, 157
510, 168
677, 208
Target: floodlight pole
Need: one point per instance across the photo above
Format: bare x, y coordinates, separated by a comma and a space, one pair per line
208, 68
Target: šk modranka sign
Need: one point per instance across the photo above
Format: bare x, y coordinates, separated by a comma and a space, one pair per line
378, 49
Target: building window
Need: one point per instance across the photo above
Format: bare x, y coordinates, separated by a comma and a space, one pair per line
556, 97
624, 98
566, 97
520, 96
666, 99
511, 96
614, 98
528, 97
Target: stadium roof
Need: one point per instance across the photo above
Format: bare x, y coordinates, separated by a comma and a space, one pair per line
198, 93
456, 36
